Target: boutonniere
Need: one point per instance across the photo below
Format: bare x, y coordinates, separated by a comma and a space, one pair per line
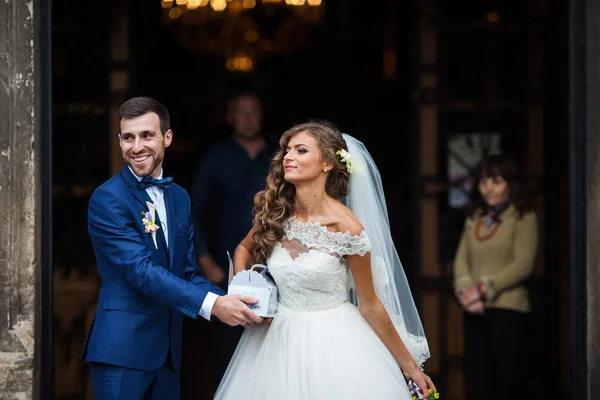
149, 222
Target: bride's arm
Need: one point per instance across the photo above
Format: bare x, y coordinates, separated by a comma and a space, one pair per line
375, 314
242, 255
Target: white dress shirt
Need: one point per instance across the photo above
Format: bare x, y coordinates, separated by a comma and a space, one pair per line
158, 198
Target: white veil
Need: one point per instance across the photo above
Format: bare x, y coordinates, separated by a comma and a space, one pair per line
366, 200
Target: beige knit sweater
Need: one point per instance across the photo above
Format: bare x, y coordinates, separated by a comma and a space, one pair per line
503, 261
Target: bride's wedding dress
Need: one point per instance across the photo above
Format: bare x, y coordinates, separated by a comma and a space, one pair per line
318, 346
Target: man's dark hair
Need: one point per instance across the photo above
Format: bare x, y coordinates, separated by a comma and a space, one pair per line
138, 106
233, 98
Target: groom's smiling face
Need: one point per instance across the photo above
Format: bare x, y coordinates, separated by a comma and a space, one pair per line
143, 145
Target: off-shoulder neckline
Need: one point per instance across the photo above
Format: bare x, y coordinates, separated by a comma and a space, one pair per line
317, 224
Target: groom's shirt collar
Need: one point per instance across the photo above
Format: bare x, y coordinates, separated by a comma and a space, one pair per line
139, 178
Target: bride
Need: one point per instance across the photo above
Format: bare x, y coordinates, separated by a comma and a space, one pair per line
346, 325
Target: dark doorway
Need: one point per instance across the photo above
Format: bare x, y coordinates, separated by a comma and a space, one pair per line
578, 109
358, 66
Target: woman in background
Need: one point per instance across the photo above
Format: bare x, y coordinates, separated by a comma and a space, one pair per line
495, 256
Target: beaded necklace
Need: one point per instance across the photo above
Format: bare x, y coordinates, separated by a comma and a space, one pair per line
492, 220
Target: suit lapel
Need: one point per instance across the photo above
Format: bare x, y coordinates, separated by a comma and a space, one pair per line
161, 233
170, 206
142, 196
132, 183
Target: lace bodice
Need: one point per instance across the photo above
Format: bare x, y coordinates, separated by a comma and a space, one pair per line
309, 266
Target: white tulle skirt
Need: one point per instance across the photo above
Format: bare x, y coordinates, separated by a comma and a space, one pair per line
331, 354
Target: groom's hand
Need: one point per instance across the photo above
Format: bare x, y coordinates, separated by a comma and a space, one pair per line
233, 310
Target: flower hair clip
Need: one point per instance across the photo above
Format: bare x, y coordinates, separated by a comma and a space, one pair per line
345, 158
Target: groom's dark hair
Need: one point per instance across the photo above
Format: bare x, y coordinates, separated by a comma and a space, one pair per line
138, 106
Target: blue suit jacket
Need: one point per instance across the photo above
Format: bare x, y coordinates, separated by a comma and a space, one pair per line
145, 291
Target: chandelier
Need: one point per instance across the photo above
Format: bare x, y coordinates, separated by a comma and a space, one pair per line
242, 31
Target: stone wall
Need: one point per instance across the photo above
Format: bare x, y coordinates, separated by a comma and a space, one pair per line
18, 194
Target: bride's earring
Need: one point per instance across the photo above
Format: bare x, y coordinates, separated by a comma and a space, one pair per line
324, 170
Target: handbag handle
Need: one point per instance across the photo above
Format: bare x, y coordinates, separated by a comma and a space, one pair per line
261, 266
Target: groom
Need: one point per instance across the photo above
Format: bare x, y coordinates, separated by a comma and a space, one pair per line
142, 232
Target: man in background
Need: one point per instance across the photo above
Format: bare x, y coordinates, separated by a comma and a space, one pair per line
227, 177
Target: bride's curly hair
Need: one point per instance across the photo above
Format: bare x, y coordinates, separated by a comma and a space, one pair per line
275, 203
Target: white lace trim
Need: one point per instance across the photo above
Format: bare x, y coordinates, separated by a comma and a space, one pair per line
313, 235
417, 346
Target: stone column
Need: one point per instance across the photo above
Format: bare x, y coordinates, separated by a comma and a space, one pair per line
584, 132
591, 158
19, 207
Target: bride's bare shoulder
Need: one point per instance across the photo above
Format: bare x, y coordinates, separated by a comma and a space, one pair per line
347, 222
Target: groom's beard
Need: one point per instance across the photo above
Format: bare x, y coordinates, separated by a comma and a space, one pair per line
151, 166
